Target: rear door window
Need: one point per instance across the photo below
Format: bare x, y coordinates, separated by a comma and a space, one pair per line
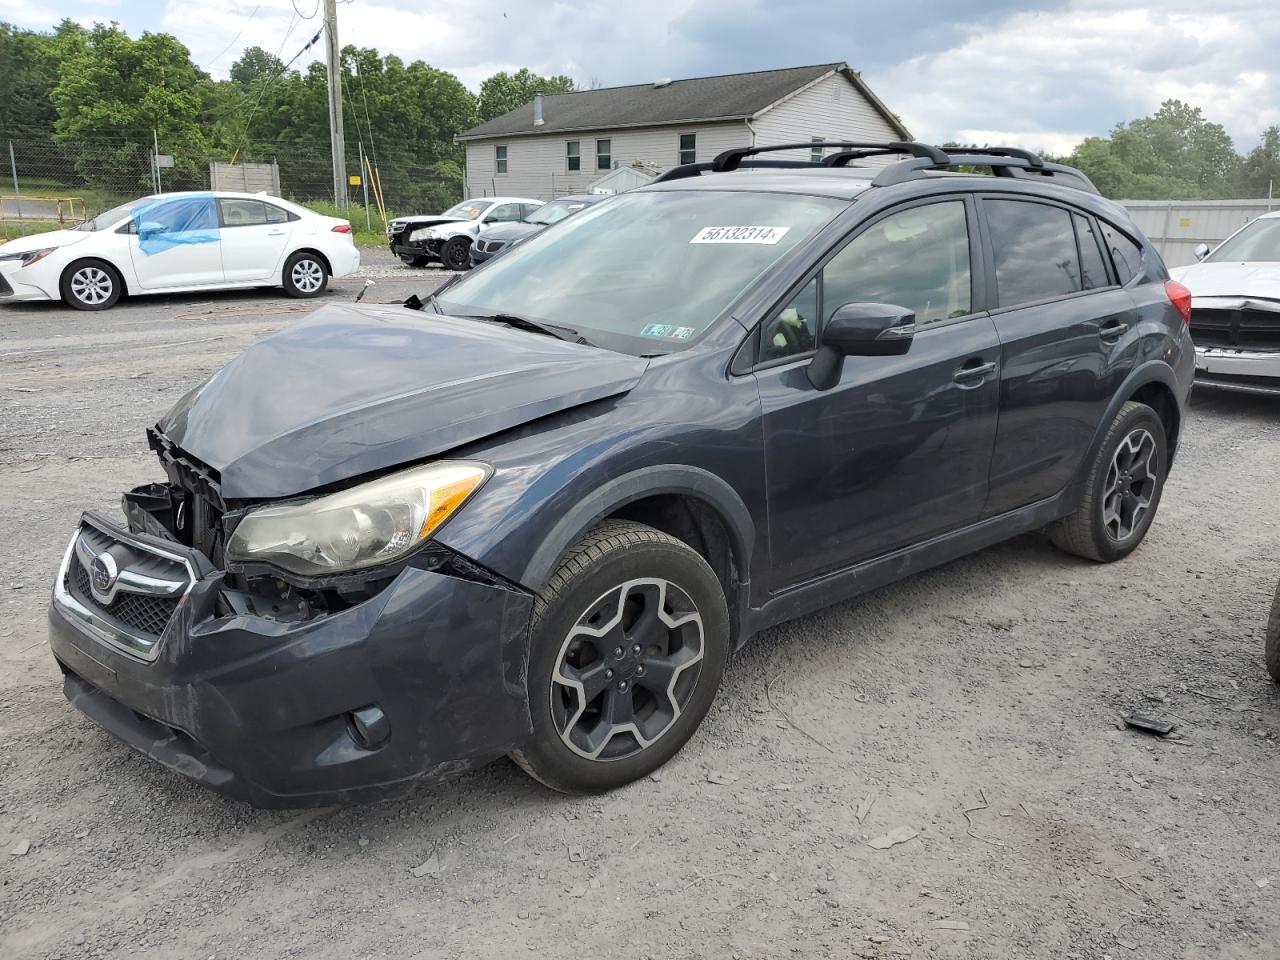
1035, 251
1092, 269
1125, 253
242, 213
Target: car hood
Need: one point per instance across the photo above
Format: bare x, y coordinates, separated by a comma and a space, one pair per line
511, 231
38, 241
1230, 279
428, 221
352, 390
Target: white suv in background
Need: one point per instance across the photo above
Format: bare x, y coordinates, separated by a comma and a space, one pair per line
447, 237
176, 242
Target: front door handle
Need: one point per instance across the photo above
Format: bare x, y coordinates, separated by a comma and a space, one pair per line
973, 373
1112, 330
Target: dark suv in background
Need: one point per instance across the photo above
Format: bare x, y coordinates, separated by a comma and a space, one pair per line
535, 516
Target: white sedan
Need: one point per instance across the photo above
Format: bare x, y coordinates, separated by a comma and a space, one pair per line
177, 242
1235, 308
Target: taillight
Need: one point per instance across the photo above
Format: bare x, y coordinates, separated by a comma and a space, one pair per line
342, 228
1180, 297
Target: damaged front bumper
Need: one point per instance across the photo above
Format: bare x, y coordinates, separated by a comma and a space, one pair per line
1248, 371
423, 248
424, 678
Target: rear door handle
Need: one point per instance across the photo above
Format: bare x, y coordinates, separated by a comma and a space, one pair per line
275, 233
974, 372
1112, 330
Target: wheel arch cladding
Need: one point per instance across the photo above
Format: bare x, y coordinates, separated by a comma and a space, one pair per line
688, 503
1154, 381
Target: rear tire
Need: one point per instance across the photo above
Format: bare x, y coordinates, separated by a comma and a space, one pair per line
615, 689
90, 285
456, 254
304, 275
1122, 491
1272, 656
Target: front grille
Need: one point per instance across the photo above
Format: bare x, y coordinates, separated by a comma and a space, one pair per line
134, 611
1241, 329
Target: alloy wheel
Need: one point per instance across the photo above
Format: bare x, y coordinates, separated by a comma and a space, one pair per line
92, 285
1130, 485
458, 256
627, 669
307, 275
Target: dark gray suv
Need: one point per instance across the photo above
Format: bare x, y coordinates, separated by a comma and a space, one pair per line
535, 515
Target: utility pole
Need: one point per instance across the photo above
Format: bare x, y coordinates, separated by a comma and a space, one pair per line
333, 57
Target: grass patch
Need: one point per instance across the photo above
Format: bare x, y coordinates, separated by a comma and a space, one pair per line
375, 236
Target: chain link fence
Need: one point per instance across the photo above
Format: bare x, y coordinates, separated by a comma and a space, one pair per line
104, 173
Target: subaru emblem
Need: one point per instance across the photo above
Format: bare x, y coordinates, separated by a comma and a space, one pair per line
102, 576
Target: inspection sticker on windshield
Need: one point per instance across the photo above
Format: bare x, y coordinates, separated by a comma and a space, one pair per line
769, 235
667, 331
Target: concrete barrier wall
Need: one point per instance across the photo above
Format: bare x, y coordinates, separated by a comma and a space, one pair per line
1176, 226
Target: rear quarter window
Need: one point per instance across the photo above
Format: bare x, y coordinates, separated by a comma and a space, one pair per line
1125, 253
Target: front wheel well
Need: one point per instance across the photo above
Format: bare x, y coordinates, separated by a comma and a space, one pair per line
1160, 398
694, 522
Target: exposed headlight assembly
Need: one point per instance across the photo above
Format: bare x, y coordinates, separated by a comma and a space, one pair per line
423, 233
28, 257
369, 525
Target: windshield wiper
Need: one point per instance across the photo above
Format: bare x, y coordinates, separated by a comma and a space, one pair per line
556, 330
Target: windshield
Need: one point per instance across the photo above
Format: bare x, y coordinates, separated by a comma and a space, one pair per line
110, 218
555, 211
467, 209
1260, 240
650, 270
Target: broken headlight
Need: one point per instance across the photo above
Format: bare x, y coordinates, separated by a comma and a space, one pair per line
369, 525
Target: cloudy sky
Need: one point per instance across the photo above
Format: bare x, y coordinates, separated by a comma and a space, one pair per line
1038, 73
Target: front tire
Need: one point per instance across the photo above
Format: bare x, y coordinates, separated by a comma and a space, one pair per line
91, 285
1122, 491
628, 644
456, 254
304, 275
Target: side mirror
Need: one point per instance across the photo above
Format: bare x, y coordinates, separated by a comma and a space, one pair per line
149, 228
1201, 251
860, 330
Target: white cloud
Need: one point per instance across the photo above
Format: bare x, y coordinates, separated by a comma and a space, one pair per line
1050, 79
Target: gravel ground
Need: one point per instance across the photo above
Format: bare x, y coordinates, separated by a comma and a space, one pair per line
974, 705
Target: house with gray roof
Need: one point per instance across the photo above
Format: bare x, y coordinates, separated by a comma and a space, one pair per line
566, 142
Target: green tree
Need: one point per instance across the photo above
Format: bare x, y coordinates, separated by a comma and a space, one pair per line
1176, 154
113, 92
503, 92
1260, 173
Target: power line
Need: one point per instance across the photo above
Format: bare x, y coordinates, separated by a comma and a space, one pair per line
309, 16
235, 38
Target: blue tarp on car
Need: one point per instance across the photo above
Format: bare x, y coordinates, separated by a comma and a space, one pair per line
175, 221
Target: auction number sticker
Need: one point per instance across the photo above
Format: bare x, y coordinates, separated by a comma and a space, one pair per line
768, 235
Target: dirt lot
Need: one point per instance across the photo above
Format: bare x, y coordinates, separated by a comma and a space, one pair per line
975, 705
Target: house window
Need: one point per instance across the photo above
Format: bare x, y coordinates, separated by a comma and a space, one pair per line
688, 148
573, 156
604, 155
815, 153
500, 159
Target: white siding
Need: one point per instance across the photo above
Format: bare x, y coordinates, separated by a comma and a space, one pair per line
536, 165
832, 108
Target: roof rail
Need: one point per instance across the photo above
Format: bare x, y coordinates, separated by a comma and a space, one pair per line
1003, 161
730, 159
924, 159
